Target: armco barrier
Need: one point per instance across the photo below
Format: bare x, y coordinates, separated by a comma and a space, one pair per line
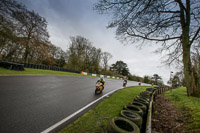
45, 67
12, 65
98, 75
18, 66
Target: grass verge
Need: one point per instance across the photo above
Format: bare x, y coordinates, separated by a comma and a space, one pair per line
190, 107
96, 119
29, 71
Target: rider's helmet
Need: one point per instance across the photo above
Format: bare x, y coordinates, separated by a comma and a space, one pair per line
101, 77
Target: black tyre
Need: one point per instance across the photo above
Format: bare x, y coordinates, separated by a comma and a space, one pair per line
134, 117
134, 109
97, 91
145, 97
146, 94
141, 100
142, 97
122, 125
150, 89
140, 105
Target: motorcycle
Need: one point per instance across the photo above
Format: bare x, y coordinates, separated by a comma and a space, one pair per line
124, 83
99, 88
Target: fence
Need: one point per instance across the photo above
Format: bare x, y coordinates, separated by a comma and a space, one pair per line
20, 66
12, 65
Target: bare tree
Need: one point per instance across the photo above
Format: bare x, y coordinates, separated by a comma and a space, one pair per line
106, 56
24, 36
77, 52
33, 28
175, 24
22, 31
9, 41
83, 56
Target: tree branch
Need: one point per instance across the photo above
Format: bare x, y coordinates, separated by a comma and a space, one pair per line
195, 36
181, 5
169, 11
126, 2
152, 39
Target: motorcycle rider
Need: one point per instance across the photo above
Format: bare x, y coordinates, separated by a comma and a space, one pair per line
101, 79
125, 80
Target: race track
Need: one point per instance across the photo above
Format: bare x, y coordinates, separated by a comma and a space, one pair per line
31, 104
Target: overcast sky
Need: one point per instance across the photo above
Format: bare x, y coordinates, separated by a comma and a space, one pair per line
76, 17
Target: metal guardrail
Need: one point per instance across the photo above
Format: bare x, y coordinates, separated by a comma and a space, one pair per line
19, 65
12, 65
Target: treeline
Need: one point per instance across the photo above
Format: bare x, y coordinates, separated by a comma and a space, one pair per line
24, 38
83, 56
153, 80
121, 68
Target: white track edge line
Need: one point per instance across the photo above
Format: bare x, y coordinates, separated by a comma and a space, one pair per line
74, 114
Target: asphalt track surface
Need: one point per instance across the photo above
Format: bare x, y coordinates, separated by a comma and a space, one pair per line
31, 104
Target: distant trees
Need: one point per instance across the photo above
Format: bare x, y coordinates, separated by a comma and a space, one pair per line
176, 82
120, 68
83, 56
156, 77
147, 79
105, 58
58, 57
135, 78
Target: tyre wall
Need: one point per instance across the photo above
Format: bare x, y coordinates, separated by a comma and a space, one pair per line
136, 116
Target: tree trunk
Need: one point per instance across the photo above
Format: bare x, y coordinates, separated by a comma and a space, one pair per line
187, 68
190, 79
26, 54
196, 82
189, 74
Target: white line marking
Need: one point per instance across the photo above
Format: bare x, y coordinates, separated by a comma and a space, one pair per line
75, 113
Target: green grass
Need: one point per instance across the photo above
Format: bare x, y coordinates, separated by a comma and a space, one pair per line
96, 119
190, 107
29, 71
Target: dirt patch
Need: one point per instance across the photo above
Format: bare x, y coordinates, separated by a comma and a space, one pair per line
166, 118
